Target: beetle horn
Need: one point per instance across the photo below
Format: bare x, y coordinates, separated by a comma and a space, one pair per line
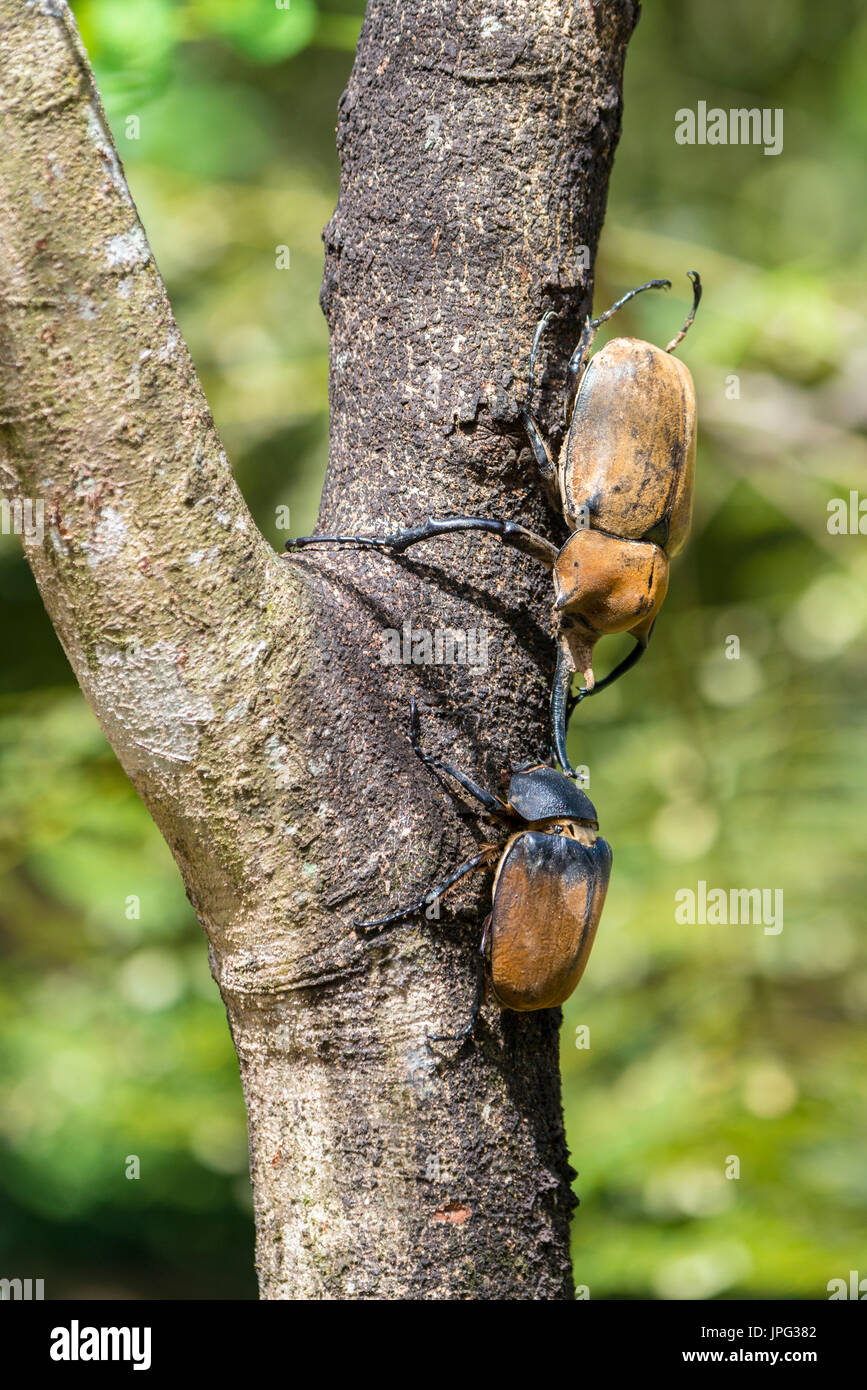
560, 700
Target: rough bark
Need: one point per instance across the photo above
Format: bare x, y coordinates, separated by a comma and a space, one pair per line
245, 694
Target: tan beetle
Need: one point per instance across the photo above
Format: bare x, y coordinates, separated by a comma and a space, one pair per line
623, 483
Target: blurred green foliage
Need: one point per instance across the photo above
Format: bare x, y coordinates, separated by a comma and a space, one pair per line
706, 1041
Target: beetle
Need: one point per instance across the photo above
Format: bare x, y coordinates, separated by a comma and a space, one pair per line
549, 886
623, 482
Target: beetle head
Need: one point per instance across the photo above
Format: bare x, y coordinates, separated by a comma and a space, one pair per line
544, 793
606, 585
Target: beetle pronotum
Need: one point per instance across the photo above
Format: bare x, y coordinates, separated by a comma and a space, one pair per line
548, 892
623, 483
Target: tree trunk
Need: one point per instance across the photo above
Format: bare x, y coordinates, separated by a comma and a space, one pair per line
247, 695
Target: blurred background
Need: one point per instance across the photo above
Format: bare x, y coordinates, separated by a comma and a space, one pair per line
708, 1043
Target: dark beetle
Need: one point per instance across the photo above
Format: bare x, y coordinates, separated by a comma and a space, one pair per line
623, 483
549, 886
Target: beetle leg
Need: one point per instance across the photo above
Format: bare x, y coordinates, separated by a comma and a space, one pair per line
696, 300
577, 361
575, 367
534, 762
511, 533
492, 804
537, 338
432, 894
542, 455
479, 995
540, 450
571, 705
620, 670
650, 285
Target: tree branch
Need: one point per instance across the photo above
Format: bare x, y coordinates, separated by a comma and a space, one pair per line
246, 695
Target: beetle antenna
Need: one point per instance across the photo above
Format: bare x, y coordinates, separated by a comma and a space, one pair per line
651, 285
696, 300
